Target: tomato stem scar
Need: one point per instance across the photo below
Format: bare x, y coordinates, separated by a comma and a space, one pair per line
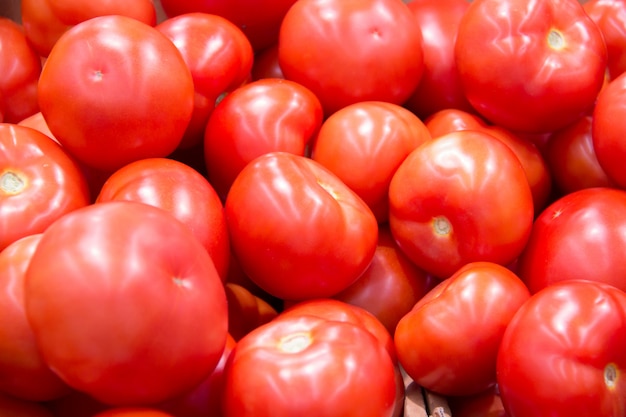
610, 375
555, 39
441, 225
295, 343
11, 183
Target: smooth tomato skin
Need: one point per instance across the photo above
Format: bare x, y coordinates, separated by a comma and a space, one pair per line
610, 16
219, 57
364, 143
181, 191
440, 86
390, 286
23, 372
519, 62
459, 198
317, 235
41, 26
463, 317
341, 367
110, 335
264, 116
579, 236
110, 103
19, 74
259, 19
39, 183
356, 50
562, 353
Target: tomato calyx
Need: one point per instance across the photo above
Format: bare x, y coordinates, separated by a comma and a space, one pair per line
12, 183
441, 226
295, 343
556, 40
611, 375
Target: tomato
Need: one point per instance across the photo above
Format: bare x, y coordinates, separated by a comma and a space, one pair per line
23, 372
39, 183
219, 57
440, 86
11, 406
520, 62
484, 404
463, 317
390, 286
19, 73
259, 19
364, 143
459, 198
572, 159
138, 315
180, 190
579, 236
562, 353
115, 90
133, 412
610, 16
312, 366
246, 311
297, 230
356, 50
263, 116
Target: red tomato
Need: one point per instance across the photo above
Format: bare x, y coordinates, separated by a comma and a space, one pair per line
610, 16
23, 372
572, 159
390, 286
448, 342
562, 353
19, 73
356, 50
133, 412
139, 313
579, 236
440, 86
39, 183
180, 190
306, 365
113, 102
263, 116
42, 27
520, 62
11, 406
219, 57
259, 19
460, 198
364, 143
297, 230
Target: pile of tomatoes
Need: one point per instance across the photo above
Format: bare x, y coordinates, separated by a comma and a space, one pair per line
277, 207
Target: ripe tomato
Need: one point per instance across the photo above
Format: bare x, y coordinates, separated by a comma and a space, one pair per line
520, 62
579, 236
219, 57
341, 367
463, 317
180, 190
263, 116
364, 143
562, 353
356, 50
460, 198
115, 90
296, 229
125, 303
610, 16
39, 183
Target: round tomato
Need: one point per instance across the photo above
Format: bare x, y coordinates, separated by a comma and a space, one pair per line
520, 62
610, 16
311, 366
563, 353
115, 90
39, 183
296, 229
460, 198
463, 317
356, 50
125, 303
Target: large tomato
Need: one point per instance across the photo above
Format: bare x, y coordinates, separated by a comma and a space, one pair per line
563, 353
125, 303
460, 198
348, 51
115, 90
520, 62
610, 16
39, 183
579, 236
306, 365
296, 229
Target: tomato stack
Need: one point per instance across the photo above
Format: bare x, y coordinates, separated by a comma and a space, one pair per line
333, 208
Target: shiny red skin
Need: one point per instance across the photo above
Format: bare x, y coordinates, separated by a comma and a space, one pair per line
610, 16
